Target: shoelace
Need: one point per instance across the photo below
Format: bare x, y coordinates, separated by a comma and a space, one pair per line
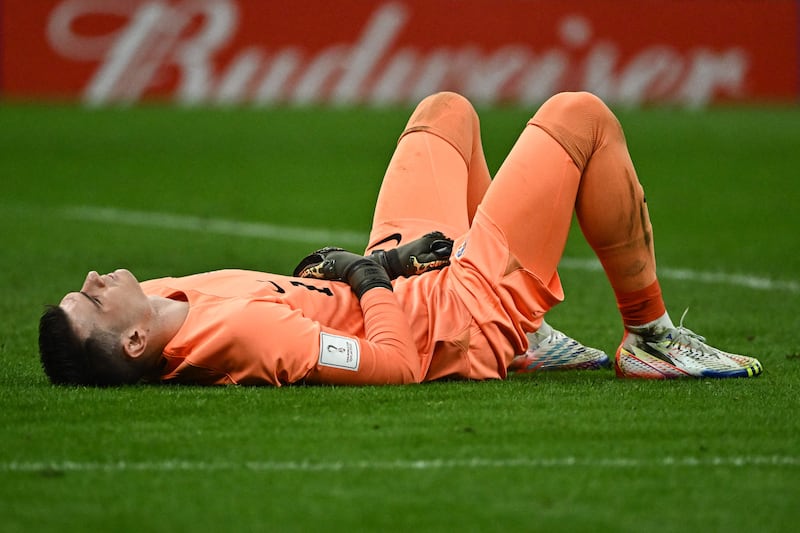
551, 337
687, 337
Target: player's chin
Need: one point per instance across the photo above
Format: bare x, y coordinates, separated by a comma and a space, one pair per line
123, 274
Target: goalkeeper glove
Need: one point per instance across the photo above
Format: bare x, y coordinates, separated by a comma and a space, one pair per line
361, 273
429, 252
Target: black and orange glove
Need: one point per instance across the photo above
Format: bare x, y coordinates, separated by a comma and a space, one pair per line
361, 273
429, 252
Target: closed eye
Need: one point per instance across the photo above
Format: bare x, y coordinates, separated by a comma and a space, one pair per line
92, 299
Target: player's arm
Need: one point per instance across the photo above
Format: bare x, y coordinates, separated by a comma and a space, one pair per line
385, 356
388, 354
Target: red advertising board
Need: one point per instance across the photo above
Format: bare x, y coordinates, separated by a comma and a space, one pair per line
690, 52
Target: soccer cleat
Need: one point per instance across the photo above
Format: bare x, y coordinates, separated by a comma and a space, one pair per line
550, 349
677, 353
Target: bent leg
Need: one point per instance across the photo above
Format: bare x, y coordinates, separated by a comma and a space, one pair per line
437, 174
610, 205
573, 155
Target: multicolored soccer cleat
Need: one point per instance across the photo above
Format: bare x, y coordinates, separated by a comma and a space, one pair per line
550, 349
678, 353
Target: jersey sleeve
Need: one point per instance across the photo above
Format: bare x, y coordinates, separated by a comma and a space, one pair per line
386, 355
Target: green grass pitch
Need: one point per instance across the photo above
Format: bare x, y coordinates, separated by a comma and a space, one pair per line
573, 451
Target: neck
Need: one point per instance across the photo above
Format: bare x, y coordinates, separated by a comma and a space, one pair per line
168, 317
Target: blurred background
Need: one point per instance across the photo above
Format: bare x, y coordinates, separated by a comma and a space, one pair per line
690, 53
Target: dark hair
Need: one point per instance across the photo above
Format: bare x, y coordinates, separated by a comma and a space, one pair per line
68, 360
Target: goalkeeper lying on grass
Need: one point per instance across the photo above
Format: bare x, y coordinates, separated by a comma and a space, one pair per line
427, 309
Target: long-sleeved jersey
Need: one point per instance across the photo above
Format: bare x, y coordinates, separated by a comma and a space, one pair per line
253, 328
256, 328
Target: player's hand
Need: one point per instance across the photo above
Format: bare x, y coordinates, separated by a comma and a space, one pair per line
361, 273
429, 252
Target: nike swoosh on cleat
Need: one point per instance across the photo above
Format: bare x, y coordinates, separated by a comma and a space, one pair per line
645, 358
653, 352
393, 237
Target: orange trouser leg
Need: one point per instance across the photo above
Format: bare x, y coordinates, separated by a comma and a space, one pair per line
573, 155
437, 175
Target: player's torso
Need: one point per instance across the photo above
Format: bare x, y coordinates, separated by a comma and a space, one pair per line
330, 303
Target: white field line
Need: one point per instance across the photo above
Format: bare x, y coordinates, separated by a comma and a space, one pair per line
685, 274
213, 225
178, 465
169, 221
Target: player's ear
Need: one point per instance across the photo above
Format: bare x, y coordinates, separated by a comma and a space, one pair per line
134, 343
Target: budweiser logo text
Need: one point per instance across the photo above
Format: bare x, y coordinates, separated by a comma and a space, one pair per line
188, 44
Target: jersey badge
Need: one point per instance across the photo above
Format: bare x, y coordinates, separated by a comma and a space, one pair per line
338, 352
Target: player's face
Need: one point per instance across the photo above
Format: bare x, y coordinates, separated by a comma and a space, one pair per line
112, 302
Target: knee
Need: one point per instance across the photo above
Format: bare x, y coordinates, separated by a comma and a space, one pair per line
446, 100
579, 109
579, 100
443, 106
579, 121
450, 116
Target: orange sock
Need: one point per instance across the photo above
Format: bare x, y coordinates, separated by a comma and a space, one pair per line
641, 306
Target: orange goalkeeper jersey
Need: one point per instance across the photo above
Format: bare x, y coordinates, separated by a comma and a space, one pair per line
254, 328
465, 321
